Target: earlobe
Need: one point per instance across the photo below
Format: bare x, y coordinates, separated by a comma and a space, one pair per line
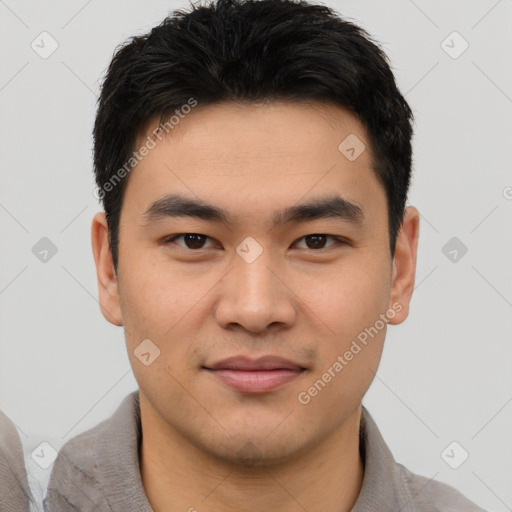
107, 280
404, 264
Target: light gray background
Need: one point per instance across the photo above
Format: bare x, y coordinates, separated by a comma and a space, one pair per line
445, 374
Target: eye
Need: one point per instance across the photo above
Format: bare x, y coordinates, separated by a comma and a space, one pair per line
317, 241
192, 240
196, 241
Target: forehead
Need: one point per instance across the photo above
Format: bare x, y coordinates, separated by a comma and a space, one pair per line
279, 127
250, 158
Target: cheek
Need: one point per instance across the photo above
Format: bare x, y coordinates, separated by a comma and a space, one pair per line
164, 306
351, 299
358, 300
154, 299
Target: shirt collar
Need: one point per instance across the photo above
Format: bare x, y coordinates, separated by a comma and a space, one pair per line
384, 488
118, 451
118, 454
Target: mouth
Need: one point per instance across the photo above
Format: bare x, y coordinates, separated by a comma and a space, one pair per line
262, 375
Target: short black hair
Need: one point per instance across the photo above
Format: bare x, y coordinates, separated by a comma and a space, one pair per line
249, 51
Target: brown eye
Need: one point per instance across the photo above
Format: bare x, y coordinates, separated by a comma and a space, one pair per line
318, 241
192, 241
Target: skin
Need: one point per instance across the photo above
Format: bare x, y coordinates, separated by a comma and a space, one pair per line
205, 445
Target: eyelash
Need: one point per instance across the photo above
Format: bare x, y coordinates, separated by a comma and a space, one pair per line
339, 240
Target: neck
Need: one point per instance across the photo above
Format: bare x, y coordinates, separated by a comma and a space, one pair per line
178, 476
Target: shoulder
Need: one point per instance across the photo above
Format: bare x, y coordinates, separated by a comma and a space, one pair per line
79, 453
75, 474
15, 491
87, 462
430, 495
388, 485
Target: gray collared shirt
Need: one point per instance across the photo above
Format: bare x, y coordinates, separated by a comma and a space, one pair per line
98, 471
15, 494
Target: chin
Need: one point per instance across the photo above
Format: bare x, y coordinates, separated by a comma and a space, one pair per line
256, 451
250, 456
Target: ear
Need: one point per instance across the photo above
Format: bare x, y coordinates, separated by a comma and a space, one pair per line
404, 264
107, 279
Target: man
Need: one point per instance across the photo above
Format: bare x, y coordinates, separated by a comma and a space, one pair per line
253, 159
15, 494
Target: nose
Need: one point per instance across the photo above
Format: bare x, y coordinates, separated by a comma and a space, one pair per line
256, 296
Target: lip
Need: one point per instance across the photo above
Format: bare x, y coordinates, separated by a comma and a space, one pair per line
260, 375
246, 363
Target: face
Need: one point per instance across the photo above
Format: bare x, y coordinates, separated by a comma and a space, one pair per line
247, 233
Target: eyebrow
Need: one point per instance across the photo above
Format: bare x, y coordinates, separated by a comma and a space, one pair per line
331, 207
